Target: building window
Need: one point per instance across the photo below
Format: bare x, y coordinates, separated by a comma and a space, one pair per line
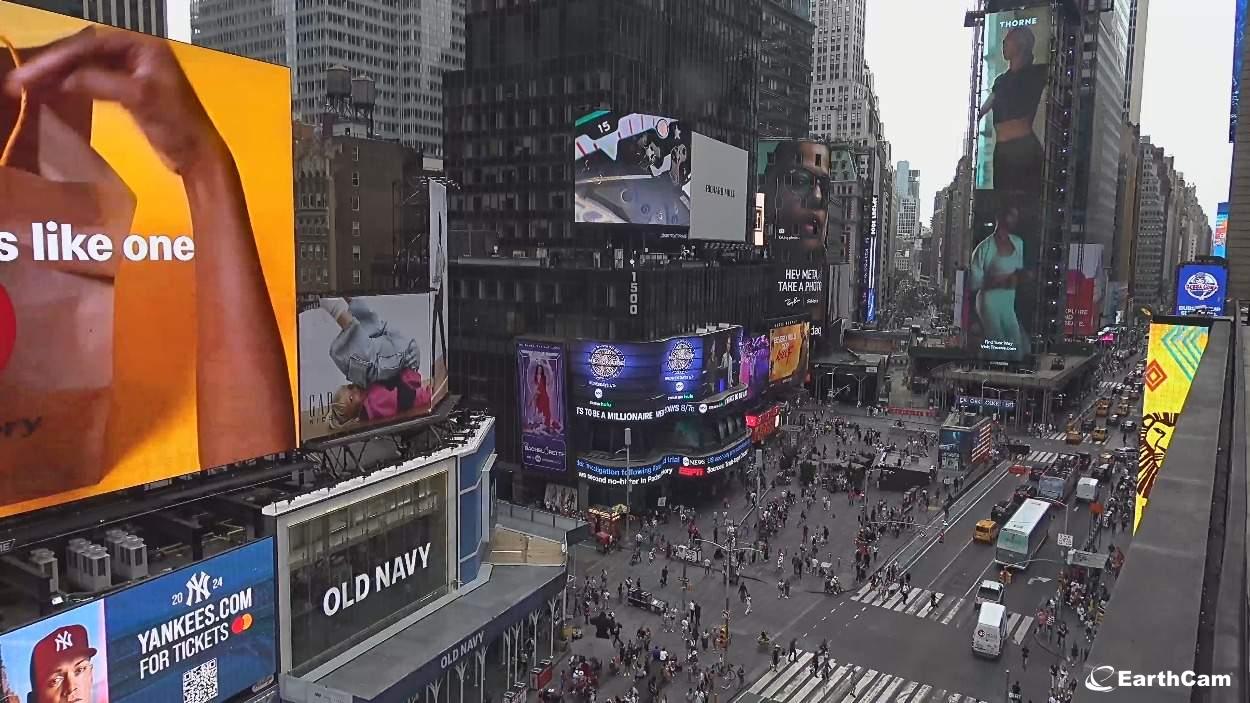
355, 179
355, 277
355, 203
355, 153
355, 252
355, 228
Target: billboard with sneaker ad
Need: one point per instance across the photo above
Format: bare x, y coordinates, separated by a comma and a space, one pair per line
1002, 281
368, 361
1200, 289
635, 381
540, 389
202, 633
147, 268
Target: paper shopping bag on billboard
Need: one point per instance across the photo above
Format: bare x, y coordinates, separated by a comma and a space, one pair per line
56, 377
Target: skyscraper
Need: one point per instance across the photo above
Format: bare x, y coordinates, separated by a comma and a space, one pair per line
841, 85
404, 47
1135, 63
146, 16
785, 75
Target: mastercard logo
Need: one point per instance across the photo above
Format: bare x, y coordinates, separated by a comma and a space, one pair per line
8, 327
241, 623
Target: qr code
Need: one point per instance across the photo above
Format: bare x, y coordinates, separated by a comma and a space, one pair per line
199, 685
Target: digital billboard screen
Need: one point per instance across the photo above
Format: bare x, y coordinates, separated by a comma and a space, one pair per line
753, 372
1239, 36
1085, 274
629, 381
718, 191
147, 289
632, 168
544, 422
795, 179
1200, 289
368, 361
1219, 234
1002, 283
202, 633
788, 344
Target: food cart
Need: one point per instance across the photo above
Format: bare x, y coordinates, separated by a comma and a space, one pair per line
610, 521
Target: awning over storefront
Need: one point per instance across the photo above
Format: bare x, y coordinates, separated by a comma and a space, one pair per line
401, 666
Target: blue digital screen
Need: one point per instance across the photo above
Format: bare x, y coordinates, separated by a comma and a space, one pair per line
616, 375
205, 630
1200, 289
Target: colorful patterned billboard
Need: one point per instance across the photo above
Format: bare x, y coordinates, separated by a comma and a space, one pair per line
1171, 362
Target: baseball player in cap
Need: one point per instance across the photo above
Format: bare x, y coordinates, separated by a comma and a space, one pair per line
61, 669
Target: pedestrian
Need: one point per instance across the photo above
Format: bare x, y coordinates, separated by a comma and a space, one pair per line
748, 610
1024, 657
664, 576
793, 654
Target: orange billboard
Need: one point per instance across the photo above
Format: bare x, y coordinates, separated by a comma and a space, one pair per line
147, 297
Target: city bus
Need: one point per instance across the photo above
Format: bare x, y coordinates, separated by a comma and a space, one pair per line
1023, 535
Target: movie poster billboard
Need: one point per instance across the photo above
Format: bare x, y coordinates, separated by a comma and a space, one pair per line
632, 168
753, 372
1002, 280
203, 633
1172, 357
147, 298
367, 361
540, 388
788, 351
1239, 36
1200, 289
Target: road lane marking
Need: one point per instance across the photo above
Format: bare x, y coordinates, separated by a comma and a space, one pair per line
951, 614
902, 695
858, 687
784, 675
1011, 621
880, 683
924, 691
889, 690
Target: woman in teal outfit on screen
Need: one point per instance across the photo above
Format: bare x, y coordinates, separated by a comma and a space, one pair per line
996, 270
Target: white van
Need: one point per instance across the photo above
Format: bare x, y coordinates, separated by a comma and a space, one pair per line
1087, 489
991, 631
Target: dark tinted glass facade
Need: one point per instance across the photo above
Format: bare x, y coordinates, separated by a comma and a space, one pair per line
356, 569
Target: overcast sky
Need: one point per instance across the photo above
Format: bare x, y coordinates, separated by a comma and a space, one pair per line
920, 54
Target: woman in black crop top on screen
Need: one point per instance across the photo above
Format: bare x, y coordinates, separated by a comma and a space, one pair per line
1014, 101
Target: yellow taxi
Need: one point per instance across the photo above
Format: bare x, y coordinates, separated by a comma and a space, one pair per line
985, 531
1099, 434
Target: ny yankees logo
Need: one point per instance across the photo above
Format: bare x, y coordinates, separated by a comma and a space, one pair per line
197, 588
64, 640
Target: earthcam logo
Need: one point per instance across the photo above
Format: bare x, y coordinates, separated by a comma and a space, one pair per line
1104, 679
1202, 285
8, 327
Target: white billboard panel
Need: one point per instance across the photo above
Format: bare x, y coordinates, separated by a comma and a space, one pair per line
718, 190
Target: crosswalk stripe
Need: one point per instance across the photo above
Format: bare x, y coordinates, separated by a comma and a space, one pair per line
898, 595
889, 690
844, 685
785, 674
1023, 630
858, 687
803, 692
920, 694
880, 683
902, 695
756, 688
952, 612
1012, 620
862, 590
909, 598
917, 602
929, 605
789, 687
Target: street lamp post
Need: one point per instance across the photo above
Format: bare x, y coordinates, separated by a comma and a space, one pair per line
629, 486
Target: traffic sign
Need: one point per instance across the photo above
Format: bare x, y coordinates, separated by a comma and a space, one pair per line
1064, 540
1092, 560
